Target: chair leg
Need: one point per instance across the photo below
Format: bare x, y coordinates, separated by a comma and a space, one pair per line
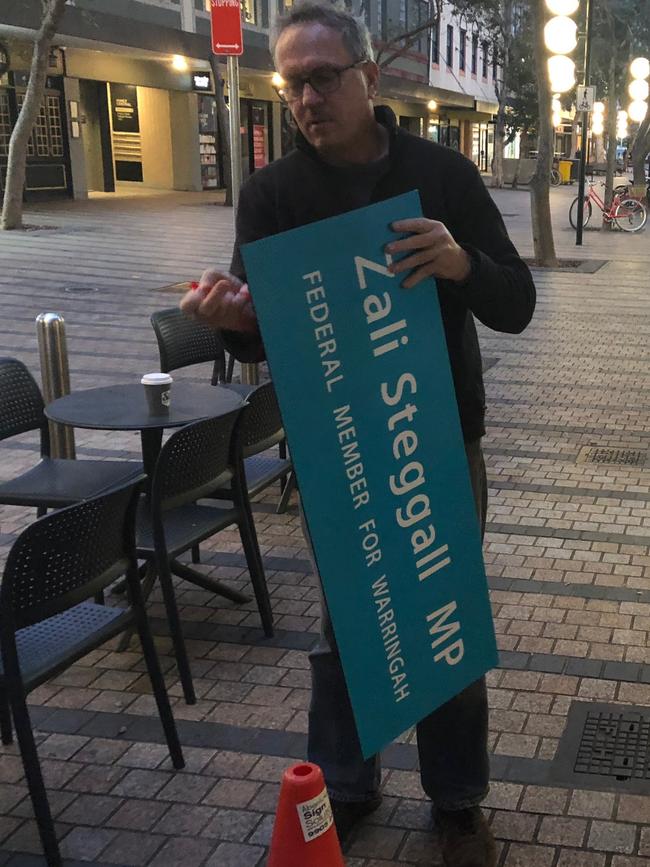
6, 729
35, 782
196, 554
148, 580
230, 368
176, 631
157, 680
251, 547
286, 493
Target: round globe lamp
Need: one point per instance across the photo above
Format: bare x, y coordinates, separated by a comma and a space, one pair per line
640, 67
432, 105
562, 7
597, 127
638, 89
562, 73
277, 81
561, 35
637, 110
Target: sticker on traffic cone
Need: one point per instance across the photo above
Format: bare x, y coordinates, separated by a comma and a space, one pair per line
304, 834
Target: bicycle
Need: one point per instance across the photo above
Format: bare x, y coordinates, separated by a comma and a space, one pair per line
555, 178
627, 214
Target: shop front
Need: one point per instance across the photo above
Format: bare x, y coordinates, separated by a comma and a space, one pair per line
48, 156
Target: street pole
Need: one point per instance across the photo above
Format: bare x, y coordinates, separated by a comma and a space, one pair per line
249, 372
235, 126
589, 12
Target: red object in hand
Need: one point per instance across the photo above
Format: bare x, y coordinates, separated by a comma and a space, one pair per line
194, 285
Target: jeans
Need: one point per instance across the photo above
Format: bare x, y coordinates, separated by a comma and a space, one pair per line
452, 741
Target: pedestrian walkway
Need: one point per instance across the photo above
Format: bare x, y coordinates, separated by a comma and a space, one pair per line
566, 551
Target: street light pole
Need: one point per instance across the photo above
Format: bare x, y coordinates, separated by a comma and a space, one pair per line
589, 12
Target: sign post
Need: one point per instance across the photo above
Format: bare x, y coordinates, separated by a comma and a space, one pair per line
589, 11
227, 40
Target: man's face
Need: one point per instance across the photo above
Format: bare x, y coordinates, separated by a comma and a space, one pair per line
334, 121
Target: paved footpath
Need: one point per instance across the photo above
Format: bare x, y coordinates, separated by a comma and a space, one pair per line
566, 550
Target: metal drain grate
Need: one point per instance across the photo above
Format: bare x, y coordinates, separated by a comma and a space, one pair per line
604, 746
615, 745
612, 455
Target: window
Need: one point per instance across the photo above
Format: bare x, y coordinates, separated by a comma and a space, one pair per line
5, 123
435, 43
461, 50
474, 53
248, 8
450, 45
484, 70
494, 62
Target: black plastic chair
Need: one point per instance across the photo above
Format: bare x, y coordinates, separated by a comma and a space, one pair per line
183, 342
259, 430
53, 482
47, 621
193, 463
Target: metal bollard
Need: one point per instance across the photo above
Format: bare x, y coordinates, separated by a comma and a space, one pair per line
250, 374
55, 376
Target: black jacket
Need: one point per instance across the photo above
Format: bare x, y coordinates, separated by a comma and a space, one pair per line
300, 188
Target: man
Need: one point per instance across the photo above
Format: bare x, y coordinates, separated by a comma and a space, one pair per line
349, 155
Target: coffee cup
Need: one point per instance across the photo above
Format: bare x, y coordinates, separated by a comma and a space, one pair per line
157, 387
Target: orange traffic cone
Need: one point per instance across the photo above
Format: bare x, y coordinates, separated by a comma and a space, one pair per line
304, 834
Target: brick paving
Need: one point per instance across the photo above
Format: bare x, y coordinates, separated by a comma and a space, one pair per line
566, 551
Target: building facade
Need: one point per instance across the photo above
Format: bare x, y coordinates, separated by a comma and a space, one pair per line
130, 98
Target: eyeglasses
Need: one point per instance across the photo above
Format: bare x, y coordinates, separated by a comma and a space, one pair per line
324, 80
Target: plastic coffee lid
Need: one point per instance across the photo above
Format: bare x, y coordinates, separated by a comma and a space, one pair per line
156, 379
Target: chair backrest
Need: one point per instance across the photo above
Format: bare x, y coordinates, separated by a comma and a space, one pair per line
21, 403
183, 341
194, 462
68, 556
261, 423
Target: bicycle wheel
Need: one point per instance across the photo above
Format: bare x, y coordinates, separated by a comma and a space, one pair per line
573, 213
630, 215
556, 178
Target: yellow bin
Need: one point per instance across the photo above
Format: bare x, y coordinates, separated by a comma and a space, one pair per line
564, 167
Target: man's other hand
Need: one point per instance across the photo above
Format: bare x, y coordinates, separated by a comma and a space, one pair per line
221, 301
433, 252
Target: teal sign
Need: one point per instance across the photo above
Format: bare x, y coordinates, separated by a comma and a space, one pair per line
362, 375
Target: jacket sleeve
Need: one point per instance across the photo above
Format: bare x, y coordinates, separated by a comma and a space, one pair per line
255, 220
499, 291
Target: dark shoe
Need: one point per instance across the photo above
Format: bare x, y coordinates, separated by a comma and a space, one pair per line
465, 838
347, 813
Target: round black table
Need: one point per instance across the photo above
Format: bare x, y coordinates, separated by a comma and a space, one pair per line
124, 407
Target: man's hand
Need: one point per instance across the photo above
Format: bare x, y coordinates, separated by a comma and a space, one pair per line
434, 253
221, 301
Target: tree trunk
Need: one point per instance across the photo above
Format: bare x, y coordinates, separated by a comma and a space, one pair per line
611, 132
502, 96
223, 125
543, 242
12, 208
640, 151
